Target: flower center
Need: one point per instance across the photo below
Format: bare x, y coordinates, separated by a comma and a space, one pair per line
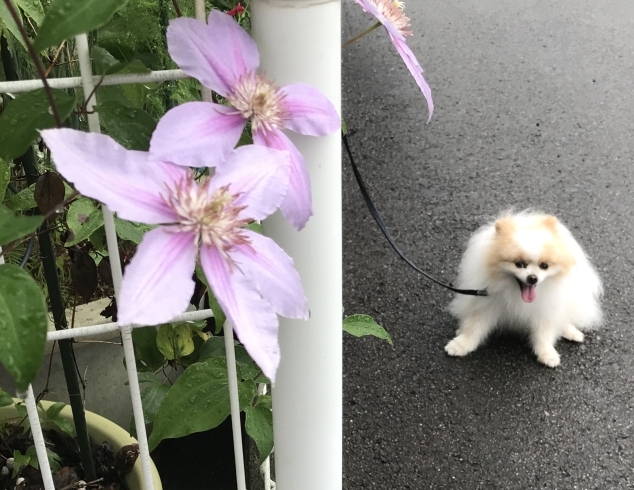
214, 219
257, 98
392, 10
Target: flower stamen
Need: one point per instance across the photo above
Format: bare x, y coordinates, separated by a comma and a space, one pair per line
393, 11
257, 98
213, 219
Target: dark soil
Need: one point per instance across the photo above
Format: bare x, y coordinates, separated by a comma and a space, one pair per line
110, 467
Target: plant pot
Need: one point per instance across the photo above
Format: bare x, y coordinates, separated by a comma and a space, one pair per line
101, 429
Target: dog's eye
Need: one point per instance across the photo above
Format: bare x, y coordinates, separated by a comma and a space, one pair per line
543, 265
520, 265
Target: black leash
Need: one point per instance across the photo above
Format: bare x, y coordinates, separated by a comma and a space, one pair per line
379, 221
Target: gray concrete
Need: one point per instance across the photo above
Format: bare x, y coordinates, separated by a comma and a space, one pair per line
533, 108
100, 363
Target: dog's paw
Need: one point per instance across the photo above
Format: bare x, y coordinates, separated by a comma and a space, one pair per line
571, 333
459, 347
549, 357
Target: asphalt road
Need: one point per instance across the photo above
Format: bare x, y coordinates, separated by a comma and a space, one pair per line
534, 108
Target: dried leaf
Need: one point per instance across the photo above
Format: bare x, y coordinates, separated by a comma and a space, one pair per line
84, 275
49, 193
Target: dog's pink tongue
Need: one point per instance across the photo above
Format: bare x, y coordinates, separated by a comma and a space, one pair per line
528, 293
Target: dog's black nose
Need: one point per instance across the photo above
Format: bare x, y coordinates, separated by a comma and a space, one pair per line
532, 279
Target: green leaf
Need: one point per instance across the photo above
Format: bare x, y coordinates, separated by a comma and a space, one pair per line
175, 341
54, 461
83, 219
13, 227
5, 399
255, 226
5, 177
199, 338
259, 426
214, 347
102, 60
54, 409
130, 127
23, 324
52, 415
32, 8
128, 230
265, 401
198, 401
362, 325
148, 356
20, 461
67, 18
25, 115
152, 398
147, 377
64, 425
9, 23
23, 200
129, 95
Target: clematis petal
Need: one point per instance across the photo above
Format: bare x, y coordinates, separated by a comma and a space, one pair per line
197, 134
274, 274
253, 319
311, 112
297, 206
259, 174
216, 54
415, 69
158, 284
102, 169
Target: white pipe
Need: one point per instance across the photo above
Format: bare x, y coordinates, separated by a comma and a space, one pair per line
88, 331
300, 41
83, 55
38, 438
234, 402
74, 82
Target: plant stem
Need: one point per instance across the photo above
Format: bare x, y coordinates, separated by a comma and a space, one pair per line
177, 7
47, 253
36, 61
359, 36
59, 50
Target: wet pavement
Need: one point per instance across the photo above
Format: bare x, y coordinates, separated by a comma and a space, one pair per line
534, 104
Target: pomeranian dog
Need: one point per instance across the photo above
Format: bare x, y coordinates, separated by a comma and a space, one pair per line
538, 279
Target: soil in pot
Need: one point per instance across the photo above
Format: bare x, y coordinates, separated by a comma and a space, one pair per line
19, 466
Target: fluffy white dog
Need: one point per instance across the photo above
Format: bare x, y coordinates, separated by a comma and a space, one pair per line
538, 279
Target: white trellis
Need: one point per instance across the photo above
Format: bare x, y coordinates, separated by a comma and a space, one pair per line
299, 41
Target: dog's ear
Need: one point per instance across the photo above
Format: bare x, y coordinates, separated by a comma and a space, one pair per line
504, 226
550, 222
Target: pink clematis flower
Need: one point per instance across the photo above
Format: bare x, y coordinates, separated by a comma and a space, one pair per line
252, 278
201, 134
390, 13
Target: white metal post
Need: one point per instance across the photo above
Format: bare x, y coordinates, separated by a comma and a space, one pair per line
300, 41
